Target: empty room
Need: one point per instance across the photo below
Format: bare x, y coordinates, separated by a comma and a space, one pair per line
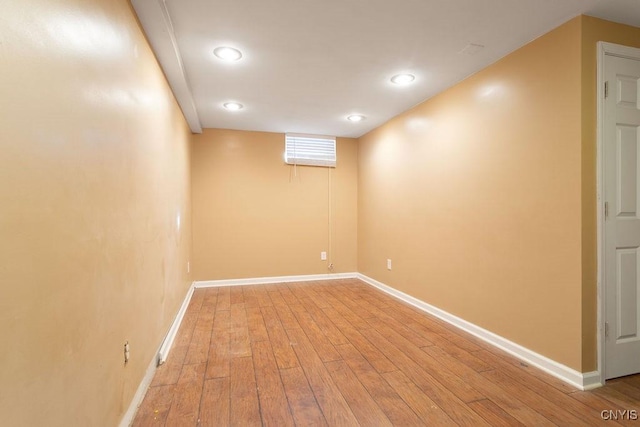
336, 213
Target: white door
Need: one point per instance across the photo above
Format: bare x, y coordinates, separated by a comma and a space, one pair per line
622, 216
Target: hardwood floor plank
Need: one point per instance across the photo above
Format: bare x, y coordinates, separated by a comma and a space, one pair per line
365, 409
219, 349
493, 414
274, 408
588, 398
302, 402
169, 372
555, 412
440, 394
374, 356
329, 298
224, 299
287, 295
632, 380
255, 323
436, 368
618, 397
310, 290
297, 289
506, 399
322, 345
250, 296
333, 405
236, 295
215, 403
626, 389
210, 300
199, 346
428, 411
244, 406
239, 344
350, 300
416, 338
506, 361
324, 323
349, 315
464, 356
284, 354
185, 406
262, 295
155, 409
196, 302
276, 296
521, 379
287, 318
396, 410
437, 326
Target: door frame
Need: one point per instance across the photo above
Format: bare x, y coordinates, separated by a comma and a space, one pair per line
604, 49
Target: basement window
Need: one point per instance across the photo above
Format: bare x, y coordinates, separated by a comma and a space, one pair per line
310, 150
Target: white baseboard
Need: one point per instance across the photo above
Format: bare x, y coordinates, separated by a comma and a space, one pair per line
165, 347
582, 381
274, 279
128, 417
591, 380
158, 359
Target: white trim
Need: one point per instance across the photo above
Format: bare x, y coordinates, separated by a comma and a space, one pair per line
128, 417
604, 49
600, 318
165, 347
157, 360
591, 380
274, 279
579, 380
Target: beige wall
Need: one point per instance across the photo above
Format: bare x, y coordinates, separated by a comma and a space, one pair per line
93, 173
593, 31
253, 217
475, 195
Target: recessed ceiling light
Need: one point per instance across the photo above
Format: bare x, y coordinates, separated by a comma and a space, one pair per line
233, 106
355, 118
227, 53
402, 79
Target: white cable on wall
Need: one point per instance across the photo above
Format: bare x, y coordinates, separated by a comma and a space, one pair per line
330, 219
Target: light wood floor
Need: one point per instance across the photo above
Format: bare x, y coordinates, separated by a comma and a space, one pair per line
342, 353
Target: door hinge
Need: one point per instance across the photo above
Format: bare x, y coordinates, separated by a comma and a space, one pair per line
606, 210
606, 90
606, 329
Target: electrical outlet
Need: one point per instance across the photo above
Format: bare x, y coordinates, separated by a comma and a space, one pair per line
126, 352
388, 264
323, 256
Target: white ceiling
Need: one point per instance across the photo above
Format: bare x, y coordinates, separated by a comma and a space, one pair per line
308, 64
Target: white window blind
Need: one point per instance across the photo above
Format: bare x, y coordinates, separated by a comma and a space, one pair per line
310, 150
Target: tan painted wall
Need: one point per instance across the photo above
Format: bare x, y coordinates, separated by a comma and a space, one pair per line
593, 31
475, 196
253, 218
93, 173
